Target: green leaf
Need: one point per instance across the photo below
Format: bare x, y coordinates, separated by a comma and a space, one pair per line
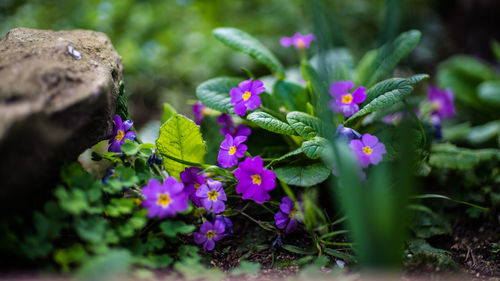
305, 125
495, 47
121, 103
180, 138
386, 93
376, 64
303, 175
314, 148
91, 229
338, 254
168, 112
214, 93
317, 86
246, 267
283, 157
127, 175
130, 148
483, 133
245, 43
172, 228
297, 250
489, 92
449, 156
270, 123
293, 96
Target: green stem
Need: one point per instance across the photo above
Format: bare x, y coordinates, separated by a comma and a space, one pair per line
186, 162
424, 137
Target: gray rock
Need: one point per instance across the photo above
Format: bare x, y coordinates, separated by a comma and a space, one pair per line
58, 94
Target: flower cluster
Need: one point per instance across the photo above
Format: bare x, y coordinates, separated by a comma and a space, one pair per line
343, 101
120, 134
298, 40
246, 96
229, 128
288, 216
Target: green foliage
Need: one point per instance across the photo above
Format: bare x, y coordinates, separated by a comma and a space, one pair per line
303, 174
168, 112
270, 123
214, 93
489, 92
376, 64
292, 96
180, 138
121, 103
314, 148
304, 124
247, 44
449, 156
385, 94
172, 228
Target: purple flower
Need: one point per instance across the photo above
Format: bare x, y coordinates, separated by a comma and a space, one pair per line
230, 150
246, 96
192, 180
197, 110
253, 180
442, 102
212, 196
209, 233
229, 128
436, 124
287, 216
164, 200
298, 41
228, 224
109, 174
368, 150
120, 133
347, 134
343, 101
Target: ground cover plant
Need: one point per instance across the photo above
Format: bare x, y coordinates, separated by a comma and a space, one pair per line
322, 159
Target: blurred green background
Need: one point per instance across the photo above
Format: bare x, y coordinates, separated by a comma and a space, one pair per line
168, 48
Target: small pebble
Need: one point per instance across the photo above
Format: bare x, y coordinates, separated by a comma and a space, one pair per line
74, 53
340, 263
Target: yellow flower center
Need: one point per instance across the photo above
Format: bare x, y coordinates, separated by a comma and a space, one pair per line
436, 105
301, 44
347, 98
137, 201
256, 179
119, 135
197, 186
232, 150
246, 95
164, 200
293, 213
212, 195
210, 234
367, 150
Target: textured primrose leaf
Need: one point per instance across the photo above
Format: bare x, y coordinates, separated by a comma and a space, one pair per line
303, 175
489, 92
449, 156
180, 138
285, 156
387, 93
245, 43
314, 148
378, 63
214, 93
305, 125
270, 123
292, 96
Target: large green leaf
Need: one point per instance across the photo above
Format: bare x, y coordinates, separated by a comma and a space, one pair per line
293, 96
180, 138
214, 93
303, 175
316, 84
449, 156
392, 84
305, 125
489, 92
376, 64
270, 123
387, 93
286, 156
314, 148
245, 43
